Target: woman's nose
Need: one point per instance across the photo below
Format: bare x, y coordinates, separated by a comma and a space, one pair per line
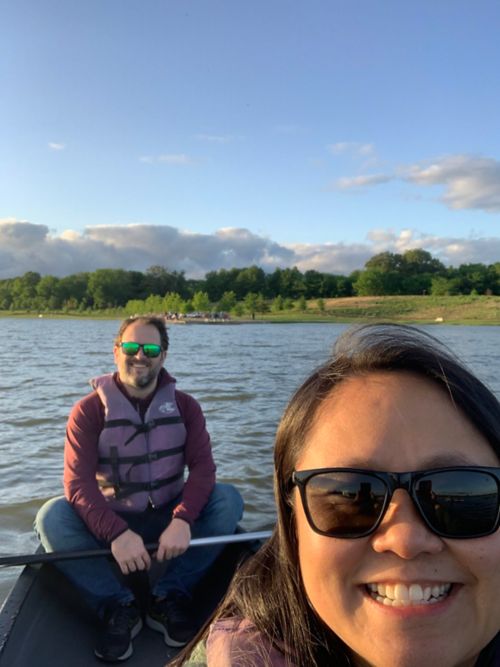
403, 530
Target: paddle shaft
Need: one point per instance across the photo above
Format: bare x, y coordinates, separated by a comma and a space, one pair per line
32, 559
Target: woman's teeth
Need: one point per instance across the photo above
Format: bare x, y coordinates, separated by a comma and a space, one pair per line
401, 595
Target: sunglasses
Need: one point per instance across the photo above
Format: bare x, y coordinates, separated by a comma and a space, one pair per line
460, 503
151, 350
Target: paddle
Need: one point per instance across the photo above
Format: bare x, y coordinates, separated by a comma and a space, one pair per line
32, 559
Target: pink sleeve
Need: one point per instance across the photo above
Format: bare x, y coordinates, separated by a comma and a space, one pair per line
80, 463
199, 460
237, 643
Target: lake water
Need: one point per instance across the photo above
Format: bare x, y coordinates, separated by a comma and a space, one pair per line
242, 375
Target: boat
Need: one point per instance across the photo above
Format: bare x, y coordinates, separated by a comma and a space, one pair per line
43, 621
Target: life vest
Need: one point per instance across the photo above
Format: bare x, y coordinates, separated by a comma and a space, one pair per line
139, 460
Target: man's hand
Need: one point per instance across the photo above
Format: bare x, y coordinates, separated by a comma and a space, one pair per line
129, 552
174, 540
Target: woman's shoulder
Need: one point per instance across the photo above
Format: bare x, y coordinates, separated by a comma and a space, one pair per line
236, 642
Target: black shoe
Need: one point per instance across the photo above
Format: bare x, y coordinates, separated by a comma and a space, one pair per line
172, 616
120, 625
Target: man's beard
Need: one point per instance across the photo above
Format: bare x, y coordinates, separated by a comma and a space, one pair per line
141, 380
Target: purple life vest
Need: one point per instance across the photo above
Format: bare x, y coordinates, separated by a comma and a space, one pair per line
139, 460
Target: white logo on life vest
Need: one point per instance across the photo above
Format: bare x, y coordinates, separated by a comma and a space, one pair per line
167, 408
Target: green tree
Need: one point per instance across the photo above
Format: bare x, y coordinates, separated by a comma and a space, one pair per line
292, 283
273, 283
187, 307
261, 304
313, 284
227, 301
154, 304
74, 290
135, 307
321, 305
474, 277
238, 309
218, 282
385, 262
49, 293
6, 297
159, 280
24, 295
277, 304
301, 304
250, 302
201, 302
420, 261
109, 288
252, 279
376, 282
442, 286
172, 303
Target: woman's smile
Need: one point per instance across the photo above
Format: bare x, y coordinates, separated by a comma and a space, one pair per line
408, 595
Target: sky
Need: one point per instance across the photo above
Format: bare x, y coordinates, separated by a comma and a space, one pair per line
207, 134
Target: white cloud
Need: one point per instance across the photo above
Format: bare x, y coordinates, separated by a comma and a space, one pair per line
470, 182
450, 250
358, 182
216, 138
30, 247
170, 158
56, 146
25, 246
331, 257
353, 148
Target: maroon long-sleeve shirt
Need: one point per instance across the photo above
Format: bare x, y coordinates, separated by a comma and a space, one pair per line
85, 424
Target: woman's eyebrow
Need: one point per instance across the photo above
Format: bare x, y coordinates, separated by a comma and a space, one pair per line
447, 460
451, 459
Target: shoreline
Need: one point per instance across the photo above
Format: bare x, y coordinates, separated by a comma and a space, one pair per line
452, 310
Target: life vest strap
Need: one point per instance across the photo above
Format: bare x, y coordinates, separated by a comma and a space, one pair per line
141, 458
128, 488
142, 427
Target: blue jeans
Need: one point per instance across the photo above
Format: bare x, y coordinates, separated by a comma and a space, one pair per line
61, 529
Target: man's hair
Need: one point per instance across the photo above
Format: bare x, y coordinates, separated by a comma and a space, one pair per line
268, 590
157, 322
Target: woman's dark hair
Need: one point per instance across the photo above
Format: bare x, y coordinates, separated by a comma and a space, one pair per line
268, 589
157, 322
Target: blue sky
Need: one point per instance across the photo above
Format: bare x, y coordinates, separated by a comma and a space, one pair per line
201, 134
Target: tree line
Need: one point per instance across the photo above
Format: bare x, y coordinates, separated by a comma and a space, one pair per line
413, 272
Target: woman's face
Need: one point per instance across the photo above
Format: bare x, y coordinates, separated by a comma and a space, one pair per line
399, 422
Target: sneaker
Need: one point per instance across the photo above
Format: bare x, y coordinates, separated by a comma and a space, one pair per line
172, 616
121, 624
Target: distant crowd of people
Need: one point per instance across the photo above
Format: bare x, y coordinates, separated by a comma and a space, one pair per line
197, 316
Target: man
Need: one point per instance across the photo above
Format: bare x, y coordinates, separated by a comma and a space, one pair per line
127, 445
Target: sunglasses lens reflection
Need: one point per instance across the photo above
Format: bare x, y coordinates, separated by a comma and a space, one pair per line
150, 349
459, 503
344, 504
454, 503
130, 348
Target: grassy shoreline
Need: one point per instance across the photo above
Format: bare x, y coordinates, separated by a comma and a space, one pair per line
464, 310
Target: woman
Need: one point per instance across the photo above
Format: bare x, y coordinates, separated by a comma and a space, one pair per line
387, 546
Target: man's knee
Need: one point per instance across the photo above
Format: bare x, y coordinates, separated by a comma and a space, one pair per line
228, 500
51, 518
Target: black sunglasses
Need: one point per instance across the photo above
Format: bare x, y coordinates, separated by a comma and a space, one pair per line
458, 502
150, 349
